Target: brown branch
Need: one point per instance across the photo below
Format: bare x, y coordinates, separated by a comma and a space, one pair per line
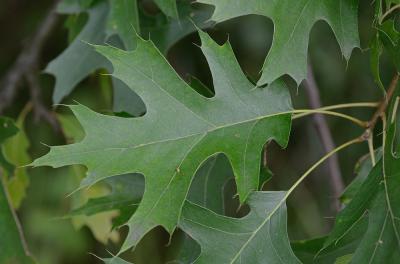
40, 110
325, 136
27, 65
384, 103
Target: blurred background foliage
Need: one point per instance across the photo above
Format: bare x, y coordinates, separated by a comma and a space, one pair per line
54, 238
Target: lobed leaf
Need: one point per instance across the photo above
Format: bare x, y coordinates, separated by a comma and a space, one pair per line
180, 130
293, 21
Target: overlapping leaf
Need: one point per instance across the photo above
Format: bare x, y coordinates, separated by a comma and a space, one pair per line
180, 130
377, 199
79, 58
259, 237
293, 21
121, 19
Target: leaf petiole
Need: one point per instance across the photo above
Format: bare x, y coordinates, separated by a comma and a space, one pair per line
388, 12
306, 112
343, 106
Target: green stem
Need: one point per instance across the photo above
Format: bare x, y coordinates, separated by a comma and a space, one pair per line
371, 149
393, 8
297, 183
305, 112
313, 167
343, 106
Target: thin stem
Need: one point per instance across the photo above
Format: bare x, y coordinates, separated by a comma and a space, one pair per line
393, 8
371, 149
395, 107
313, 167
305, 112
343, 106
385, 102
297, 183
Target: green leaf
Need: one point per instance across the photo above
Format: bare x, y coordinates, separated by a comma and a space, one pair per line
256, 238
16, 151
377, 196
180, 130
79, 58
118, 18
391, 170
7, 129
126, 192
376, 49
73, 6
390, 38
379, 243
165, 32
115, 260
207, 188
362, 170
293, 21
123, 21
309, 251
168, 7
12, 249
354, 212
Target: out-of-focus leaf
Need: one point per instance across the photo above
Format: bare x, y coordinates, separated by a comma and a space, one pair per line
126, 192
165, 32
256, 238
363, 168
293, 21
390, 38
7, 129
79, 59
376, 50
180, 124
207, 190
96, 207
115, 260
123, 20
73, 6
74, 24
168, 7
12, 248
16, 151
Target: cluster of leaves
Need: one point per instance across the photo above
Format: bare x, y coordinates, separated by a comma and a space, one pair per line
171, 162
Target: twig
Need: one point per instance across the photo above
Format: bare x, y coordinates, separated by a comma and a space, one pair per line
387, 13
40, 110
384, 103
380, 113
325, 136
26, 66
